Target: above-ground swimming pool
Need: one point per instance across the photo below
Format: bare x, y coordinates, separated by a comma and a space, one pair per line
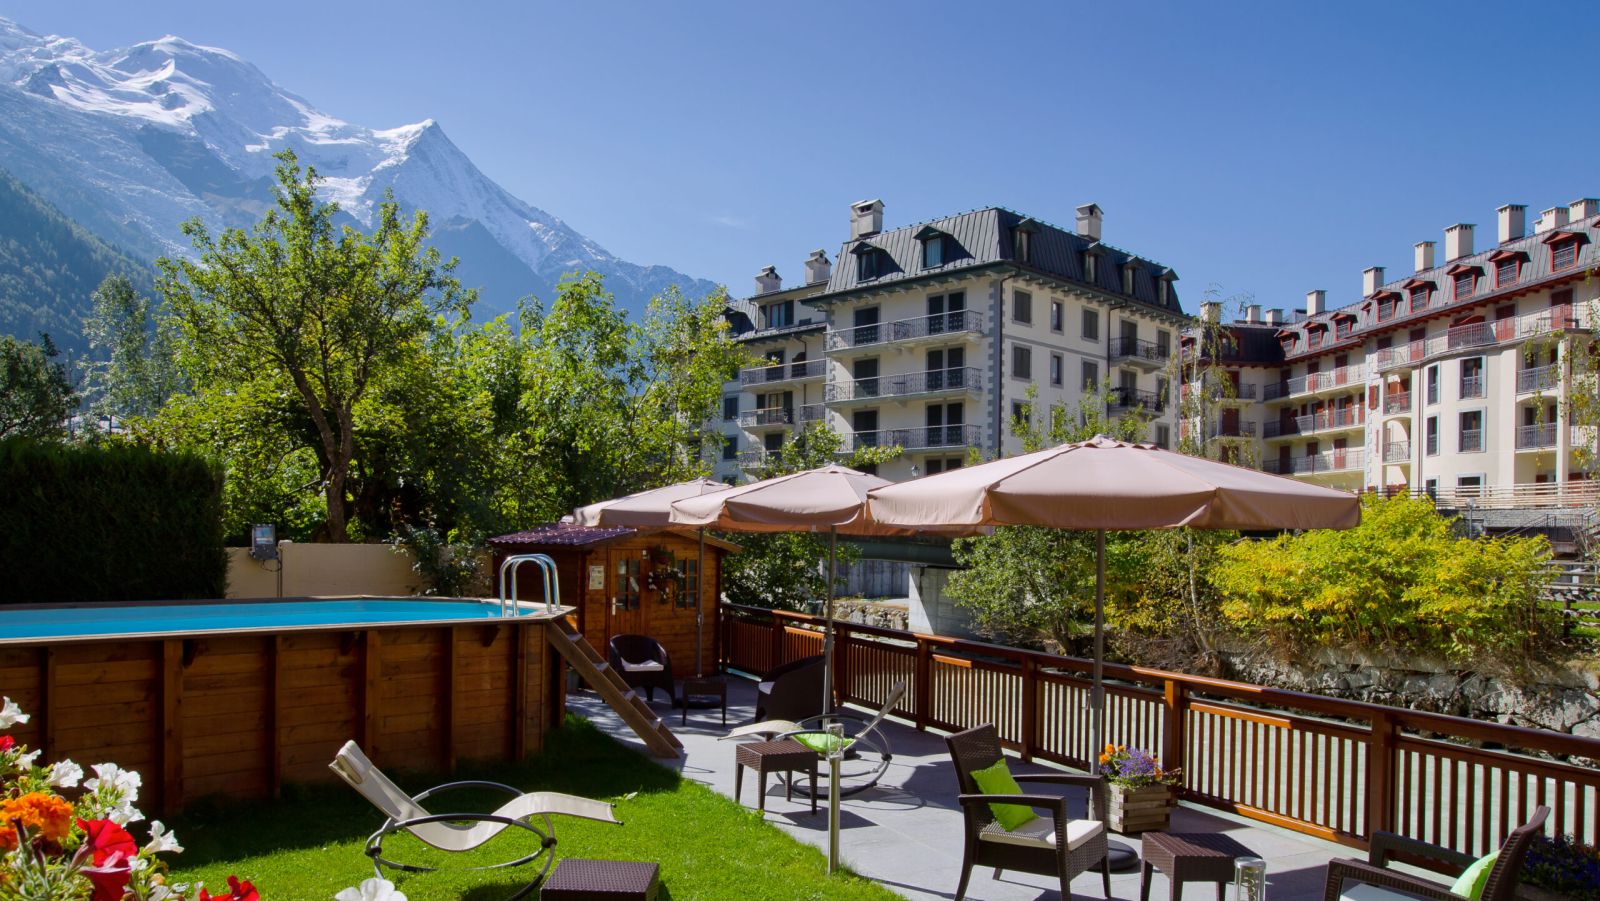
238, 698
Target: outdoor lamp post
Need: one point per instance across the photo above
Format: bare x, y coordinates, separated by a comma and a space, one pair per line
1249, 879
835, 756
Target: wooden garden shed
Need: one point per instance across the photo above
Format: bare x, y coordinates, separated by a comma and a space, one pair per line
629, 581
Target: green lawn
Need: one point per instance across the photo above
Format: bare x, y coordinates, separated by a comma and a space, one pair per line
308, 845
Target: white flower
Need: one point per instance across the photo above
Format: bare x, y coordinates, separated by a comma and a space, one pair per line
373, 889
125, 783
123, 814
11, 714
65, 774
162, 841
25, 761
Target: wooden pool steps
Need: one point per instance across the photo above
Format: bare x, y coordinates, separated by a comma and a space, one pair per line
602, 678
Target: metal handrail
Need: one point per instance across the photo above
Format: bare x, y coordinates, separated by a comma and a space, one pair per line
552, 585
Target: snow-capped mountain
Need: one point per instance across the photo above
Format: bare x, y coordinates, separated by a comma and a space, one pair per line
132, 142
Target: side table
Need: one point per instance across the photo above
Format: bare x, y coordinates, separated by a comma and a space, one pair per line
705, 688
593, 880
1189, 857
786, 756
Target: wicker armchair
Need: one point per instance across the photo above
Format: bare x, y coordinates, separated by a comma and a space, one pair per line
643, 663
792, 691
1055, 844
1376, 882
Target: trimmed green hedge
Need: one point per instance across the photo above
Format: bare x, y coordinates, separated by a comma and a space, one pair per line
108, 523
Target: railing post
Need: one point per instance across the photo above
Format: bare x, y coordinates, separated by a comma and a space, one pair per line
1380, 775
1030, 708
841, 663
776, 635
1175, 711
923, 680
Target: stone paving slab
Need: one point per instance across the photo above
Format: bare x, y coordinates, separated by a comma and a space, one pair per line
906, 833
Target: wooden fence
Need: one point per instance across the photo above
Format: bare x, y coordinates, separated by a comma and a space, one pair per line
1322, 766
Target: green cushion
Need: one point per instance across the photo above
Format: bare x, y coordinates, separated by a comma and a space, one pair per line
1470, 883
822, 742
997, 780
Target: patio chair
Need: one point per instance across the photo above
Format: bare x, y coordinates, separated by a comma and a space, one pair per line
643, 663
459, 832
792, 691
1372, 880
1054, 845
865, 745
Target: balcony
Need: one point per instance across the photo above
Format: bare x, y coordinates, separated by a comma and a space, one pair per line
752, 459
1278, 428
1139, 352
1474, 335
1538, 378
1471, 441
1345, 460
936, 326
778, 417
1329, 420
1397, 452
1397, 402
805, 370
914, 384
1536, 437
1431, 446
1472, 386
1316, 383
934, 437
1231, 430
1120, 399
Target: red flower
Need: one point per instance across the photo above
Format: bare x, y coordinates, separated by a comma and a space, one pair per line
238, 890
7, 743
106, 838
110, 882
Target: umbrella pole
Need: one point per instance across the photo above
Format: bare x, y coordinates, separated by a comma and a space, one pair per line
827, 625
1097, 695
699, 607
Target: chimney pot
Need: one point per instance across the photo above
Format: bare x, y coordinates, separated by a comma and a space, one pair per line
1583, 208
818, 269
1275, 316
1316, 302
1211, 311
1252, 313
1553, 218
1090, 218
1457, 242
866, 218
1513, 222
1424, 255
768, 280
1371, 280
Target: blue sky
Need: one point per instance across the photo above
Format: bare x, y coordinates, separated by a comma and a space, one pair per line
1262, 148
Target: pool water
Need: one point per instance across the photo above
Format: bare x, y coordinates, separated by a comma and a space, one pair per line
65, 621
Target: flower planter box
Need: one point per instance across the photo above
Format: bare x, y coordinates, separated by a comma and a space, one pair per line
1140, 809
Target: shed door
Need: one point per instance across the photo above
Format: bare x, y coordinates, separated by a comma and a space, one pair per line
625, 587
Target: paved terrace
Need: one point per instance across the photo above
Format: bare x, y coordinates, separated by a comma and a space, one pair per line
906, 833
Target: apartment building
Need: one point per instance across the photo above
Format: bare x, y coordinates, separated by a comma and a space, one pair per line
929, 336
1454, 379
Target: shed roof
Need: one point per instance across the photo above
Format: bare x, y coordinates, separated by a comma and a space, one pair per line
566, 534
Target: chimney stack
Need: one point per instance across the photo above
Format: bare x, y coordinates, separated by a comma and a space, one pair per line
818, 269
1424, 254
1275, 316
1457, 242
1583, 208
1553, 218
1513, 222
1252, 313
768, 280
866, 218
1371, 280
1316, 302
1090, 218
1211, 311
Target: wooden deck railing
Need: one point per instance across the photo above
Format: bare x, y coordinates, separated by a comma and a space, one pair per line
1323, 766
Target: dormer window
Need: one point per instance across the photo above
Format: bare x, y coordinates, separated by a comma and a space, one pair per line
1507, 267
1022, 240
1419, 296
936, 247
778, 315
1314, 334
1127, 276
870, 262
1464, 280
1164, 287
1091, 267
1344, 325
1387, 302
1564, 249
1287, 341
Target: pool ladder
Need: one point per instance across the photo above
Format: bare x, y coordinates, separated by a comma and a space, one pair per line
552, 586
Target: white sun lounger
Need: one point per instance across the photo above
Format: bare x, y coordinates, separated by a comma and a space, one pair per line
862, 740
458, 832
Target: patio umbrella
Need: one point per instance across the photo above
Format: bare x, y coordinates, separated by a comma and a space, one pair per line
1107, 485
828, 499
652, 509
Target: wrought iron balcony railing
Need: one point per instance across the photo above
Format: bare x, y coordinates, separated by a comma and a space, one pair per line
1536, 436
967, 378
951, 323
783, 372
1139, 349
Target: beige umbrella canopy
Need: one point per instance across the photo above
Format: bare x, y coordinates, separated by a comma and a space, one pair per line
643, 509
1107, 485
830, 499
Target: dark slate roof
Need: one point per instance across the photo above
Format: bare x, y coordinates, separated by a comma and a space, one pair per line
984, 238
1536, 273
743, 316
563, 533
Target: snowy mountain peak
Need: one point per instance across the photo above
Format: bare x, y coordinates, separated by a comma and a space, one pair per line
132, 141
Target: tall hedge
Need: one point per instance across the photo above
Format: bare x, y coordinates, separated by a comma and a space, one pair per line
108, 523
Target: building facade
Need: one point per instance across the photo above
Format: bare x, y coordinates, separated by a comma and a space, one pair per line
1455, 380
929, 337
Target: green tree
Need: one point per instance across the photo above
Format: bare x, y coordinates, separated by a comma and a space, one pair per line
136, 372
1401, 582
314, 312
36, 396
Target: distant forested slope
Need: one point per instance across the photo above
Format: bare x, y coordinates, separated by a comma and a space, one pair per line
49, 265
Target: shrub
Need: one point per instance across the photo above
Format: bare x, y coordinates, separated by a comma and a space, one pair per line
1564, 865
110, 522
1400, 582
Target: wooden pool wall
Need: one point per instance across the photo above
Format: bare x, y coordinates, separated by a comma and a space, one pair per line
241, 715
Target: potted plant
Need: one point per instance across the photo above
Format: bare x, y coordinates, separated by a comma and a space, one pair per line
1142, 795
1558, 868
